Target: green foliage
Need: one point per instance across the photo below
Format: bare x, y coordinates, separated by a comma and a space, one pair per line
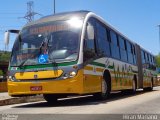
158, 60
1, 73
5, 56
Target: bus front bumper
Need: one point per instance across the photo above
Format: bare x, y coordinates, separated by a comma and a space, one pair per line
67, 86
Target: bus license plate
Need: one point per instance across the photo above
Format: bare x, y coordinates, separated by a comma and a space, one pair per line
36, 88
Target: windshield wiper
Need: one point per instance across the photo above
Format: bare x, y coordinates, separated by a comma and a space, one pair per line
40, 48
22, 63
53, 62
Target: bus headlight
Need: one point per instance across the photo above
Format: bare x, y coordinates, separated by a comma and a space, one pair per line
65, 76
11, 78
72, 74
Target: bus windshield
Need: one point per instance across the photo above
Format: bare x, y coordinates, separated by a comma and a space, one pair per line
45, 43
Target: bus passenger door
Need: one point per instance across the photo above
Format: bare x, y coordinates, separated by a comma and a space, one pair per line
91, 81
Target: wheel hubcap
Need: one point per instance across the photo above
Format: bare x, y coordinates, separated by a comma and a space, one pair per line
104, 87
151, 84
134, 86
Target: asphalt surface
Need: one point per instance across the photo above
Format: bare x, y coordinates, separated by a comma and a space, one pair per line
116, 107
4, 95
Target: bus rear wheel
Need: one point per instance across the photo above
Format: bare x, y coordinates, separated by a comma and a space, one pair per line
134, 86
50, 98
105, 91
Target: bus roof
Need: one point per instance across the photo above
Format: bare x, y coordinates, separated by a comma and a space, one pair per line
60, 16
80, 14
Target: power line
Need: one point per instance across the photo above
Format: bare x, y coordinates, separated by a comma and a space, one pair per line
30, 12
8, 18
10, 13
8, 26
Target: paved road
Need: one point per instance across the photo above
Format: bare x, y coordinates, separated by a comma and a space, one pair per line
118, 103
4, 95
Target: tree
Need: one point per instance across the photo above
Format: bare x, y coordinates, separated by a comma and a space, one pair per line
158, 60
1, 73
5, 56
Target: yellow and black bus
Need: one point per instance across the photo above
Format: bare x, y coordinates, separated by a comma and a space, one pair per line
77, 53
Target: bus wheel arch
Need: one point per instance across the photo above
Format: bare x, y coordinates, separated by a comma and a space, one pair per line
107, 77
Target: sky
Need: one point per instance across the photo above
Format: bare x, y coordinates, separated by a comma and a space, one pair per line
136, 19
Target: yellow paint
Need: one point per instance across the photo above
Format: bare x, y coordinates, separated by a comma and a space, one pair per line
88, 68
71, 85
117, 85
146, 81
121, 73
80, 84
99, 70
92, 83
40, 74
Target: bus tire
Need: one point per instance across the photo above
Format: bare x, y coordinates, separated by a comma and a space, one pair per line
105, 88
50, 98
151, 87
134, 84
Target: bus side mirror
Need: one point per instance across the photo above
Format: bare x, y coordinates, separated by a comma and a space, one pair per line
90, 32
6, 37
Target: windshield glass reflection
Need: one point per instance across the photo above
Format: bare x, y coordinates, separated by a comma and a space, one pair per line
46, 43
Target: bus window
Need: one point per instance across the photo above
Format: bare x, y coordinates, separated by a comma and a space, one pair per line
129, 51
154, 60
89, 45
103, 43
146, 56
151, 59
143, 57
114, 45
150, 62
123, 52
134, 54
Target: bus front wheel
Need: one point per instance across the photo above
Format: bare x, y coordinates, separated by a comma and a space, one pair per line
105, 91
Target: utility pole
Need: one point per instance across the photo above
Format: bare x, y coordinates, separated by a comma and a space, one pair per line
30, 12
54, 6
159, 37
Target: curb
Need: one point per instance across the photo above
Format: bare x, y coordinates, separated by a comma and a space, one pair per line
18, 100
